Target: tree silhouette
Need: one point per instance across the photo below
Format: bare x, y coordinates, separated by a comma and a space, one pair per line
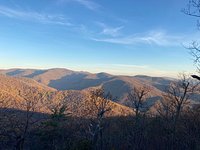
100, 103
193, 9
137, 99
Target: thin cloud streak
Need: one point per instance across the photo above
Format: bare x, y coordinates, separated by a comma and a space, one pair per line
34, 16
152, 38
88, 4
130, 66
110, 31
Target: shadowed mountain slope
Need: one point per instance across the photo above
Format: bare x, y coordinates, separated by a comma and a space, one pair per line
158, 82
118, 86
14, 91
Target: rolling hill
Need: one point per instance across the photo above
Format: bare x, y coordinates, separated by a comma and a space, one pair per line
119, 86
15, 92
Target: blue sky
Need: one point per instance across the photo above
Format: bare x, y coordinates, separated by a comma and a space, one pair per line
125, 37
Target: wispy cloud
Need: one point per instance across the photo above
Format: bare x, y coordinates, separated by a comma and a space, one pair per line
130, 66
111, 31
34, 16
89, 4
153, 38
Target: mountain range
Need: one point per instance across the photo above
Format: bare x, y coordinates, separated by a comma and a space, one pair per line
118, 86
75, 86
14, 91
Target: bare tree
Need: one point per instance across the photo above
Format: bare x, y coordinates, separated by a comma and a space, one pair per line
194, 48
100, 104
18, 115
179, 94
175, 102
193, 9
165, 108
137, 99
30, 104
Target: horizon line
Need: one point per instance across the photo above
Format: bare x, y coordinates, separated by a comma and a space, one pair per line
91, 72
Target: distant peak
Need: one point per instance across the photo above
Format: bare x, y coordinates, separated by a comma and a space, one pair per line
103, 74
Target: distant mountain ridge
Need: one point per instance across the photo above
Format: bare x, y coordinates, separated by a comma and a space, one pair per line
77, 84
62, 79
118, 86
